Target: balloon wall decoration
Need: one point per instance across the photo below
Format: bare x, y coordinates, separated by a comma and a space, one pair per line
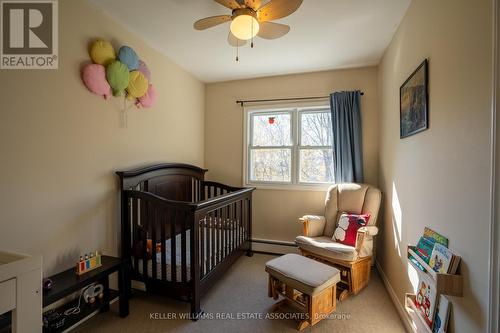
94, 77
137, 85
128, 56
144, 69
148, 99
118, 76
102, 52
118, 73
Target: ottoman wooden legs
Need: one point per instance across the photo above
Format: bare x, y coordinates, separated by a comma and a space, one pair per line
314, 307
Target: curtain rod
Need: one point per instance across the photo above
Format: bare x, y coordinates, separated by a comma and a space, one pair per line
283, 99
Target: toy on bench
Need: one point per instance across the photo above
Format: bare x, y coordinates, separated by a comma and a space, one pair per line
88, 262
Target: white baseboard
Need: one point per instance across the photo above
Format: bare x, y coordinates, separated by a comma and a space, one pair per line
273, 246
392, 294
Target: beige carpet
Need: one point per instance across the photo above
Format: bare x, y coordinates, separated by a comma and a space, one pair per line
244, 290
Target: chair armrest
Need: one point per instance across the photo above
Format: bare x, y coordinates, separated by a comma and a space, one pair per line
363, 233
370, 230
312, 225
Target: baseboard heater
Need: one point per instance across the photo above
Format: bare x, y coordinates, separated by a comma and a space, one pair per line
272, 246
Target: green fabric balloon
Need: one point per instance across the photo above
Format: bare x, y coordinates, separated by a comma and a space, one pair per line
117, 75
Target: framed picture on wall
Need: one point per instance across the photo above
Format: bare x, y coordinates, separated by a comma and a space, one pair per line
414, 102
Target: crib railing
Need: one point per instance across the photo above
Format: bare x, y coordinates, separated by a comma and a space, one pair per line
179, 242
223, 223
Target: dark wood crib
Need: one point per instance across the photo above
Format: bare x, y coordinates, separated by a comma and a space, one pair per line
180, 232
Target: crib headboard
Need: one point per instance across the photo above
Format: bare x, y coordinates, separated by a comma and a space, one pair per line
173, 181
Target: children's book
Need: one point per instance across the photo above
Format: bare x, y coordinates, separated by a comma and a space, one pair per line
441, 258
424, 249
454, 264
442, 315
425, 299
434, 237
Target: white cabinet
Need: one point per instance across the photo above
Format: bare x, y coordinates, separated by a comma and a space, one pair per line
21, 290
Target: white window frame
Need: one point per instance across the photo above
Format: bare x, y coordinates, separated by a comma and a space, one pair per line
294, 109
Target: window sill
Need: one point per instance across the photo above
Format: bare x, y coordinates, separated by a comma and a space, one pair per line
290, 187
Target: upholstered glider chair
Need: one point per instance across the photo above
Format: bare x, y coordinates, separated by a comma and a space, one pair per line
318, 240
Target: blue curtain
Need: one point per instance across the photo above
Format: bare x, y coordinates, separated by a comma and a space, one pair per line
347, 144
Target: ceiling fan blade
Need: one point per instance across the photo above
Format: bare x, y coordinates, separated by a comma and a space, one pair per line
233, 41
212, 21
277, 9
271, 30
231, 4
254, 4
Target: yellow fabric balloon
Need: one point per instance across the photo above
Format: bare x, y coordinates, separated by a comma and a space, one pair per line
102, 52
137, 85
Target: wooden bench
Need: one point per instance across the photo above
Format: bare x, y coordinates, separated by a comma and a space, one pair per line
304, 284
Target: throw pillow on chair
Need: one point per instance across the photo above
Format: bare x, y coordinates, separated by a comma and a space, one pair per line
347, 228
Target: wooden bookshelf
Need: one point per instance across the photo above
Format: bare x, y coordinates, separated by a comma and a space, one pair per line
418, 322
446, 284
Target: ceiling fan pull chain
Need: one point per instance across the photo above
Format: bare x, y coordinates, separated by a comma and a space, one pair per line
237, 50
251, 44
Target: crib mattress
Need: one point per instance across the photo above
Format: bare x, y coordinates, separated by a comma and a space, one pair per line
178, 254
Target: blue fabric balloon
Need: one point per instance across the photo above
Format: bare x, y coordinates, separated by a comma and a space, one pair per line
128, 56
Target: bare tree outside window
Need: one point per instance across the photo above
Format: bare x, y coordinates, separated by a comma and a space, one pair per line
280, 140
316, 154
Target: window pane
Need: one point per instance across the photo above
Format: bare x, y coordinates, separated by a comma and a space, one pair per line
270, 165
272, 130
316, 166
316, 129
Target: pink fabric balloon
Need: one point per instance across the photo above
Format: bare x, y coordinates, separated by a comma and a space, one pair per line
148, 99
94, 78
144, 69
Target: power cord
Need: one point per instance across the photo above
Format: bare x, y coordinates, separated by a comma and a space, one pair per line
76, 309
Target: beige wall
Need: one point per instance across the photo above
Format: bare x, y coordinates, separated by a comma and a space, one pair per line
440, 177
60, 144
276, 211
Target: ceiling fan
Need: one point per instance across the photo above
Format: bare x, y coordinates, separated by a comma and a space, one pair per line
251, 18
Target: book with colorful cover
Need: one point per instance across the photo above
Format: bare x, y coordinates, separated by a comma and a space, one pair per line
416, 263
441, 258
442, 315
424, 249
435, 237
425, 299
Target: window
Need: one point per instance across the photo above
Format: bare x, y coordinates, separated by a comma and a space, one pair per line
289, 146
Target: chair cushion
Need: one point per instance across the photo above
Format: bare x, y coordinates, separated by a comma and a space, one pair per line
326, 247
301, 273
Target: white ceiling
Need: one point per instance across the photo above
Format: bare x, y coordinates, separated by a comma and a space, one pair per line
325, 34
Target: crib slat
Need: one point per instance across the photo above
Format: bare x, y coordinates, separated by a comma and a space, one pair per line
229, 227
144, 248
206, 229
163, 221
184, 220
212, 239
154, 215
201, 230
223, 234
238, 224
135, 237
173, 258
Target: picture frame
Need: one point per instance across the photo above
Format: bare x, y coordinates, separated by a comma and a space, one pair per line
414, 102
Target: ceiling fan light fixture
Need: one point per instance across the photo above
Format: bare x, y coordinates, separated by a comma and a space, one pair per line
244, 27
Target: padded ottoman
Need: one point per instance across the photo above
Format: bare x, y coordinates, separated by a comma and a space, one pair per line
305, 284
